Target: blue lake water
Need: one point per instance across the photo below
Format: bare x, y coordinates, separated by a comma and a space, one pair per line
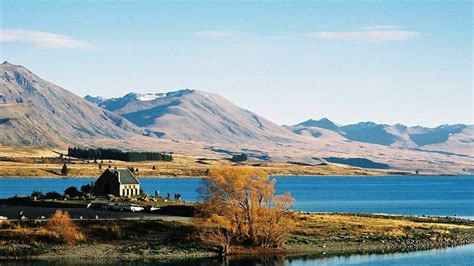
463, 255
414, 195
417, 195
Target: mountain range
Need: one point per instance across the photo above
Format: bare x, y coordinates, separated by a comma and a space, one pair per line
195, 115
34, 112
450, 139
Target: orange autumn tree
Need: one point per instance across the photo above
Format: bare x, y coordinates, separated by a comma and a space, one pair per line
63, 227
240, 207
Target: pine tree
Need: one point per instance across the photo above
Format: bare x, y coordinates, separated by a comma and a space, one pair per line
64, 170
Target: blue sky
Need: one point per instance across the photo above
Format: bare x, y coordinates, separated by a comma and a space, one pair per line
385, 61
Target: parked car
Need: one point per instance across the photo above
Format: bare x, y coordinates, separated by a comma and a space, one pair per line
132, 208
113, 207
152, 208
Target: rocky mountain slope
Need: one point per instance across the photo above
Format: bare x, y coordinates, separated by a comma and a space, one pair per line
449, 139
206, 122
35, 112
198, 116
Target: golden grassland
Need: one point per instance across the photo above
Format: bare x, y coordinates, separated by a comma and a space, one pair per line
28, 152
42, 162
374, 226
315, 233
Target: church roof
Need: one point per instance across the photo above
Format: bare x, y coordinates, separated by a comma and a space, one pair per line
125, 177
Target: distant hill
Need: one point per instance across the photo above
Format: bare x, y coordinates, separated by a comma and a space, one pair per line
196, 115
95, 100
370, 133
454, 139
322, 123
38, 113
35, 112
214, 124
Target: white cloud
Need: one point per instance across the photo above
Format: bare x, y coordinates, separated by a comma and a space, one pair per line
374, 36
214, 34
41, 39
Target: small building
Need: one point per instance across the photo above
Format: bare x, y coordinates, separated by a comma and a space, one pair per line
120, 183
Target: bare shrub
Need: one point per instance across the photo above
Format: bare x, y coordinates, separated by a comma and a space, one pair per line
63, 227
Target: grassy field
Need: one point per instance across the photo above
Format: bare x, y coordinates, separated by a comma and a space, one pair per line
328, 234
356, 233
43, 162
28, 152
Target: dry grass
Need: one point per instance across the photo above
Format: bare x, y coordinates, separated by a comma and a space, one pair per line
30, 234
29, 152
325, 225
318, 233
29, 161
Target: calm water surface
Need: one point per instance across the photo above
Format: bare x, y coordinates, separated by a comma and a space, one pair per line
463, 255
417, 195
429, 195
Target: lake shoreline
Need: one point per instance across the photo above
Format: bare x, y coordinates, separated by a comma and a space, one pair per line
59, 254
406, 195
316, 235
204, 176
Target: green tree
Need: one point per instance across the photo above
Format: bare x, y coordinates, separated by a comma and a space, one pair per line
36, 194
64, 170
87, 189
71, 192
52, 195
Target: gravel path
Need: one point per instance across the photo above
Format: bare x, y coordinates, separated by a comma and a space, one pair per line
11, 212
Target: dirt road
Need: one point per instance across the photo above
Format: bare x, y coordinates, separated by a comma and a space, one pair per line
11, 212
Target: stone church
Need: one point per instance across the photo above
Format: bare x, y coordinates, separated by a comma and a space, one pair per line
120, 183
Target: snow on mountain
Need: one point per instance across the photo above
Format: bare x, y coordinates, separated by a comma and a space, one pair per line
196, 115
